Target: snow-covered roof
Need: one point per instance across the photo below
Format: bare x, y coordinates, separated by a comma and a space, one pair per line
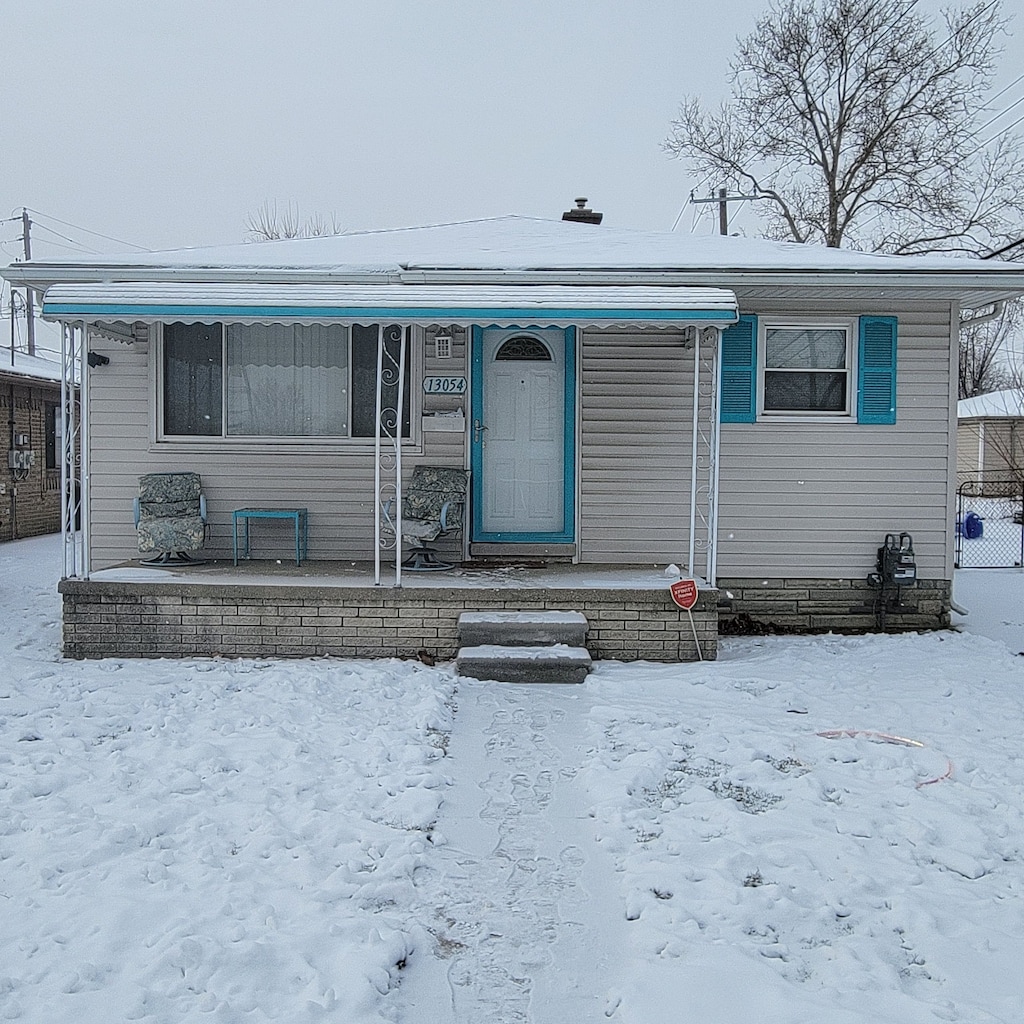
996, 404
38, 367
552, 251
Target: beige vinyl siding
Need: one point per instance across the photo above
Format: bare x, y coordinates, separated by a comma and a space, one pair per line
968, 451
1003, 444
800, 500
333, 481
635, 448
815, 500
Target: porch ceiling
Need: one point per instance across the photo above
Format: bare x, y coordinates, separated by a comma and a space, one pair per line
425, 305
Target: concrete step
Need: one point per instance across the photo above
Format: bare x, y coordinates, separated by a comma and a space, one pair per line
533, 628
546, 663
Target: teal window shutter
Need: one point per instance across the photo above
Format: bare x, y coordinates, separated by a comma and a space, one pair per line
739, 371
876, 370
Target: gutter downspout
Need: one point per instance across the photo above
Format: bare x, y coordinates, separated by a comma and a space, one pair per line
984, 318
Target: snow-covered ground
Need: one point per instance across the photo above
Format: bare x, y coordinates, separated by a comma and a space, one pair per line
246, 841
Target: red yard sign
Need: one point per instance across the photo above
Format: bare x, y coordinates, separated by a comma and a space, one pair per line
684, 593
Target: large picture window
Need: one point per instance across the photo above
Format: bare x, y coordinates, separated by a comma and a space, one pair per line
274, 380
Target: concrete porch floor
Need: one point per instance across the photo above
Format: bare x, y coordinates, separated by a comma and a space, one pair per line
527, 575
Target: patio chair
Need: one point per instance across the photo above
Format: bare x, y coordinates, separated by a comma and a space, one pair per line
170, 517
433, 506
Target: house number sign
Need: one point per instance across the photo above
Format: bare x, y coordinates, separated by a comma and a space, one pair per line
444, 385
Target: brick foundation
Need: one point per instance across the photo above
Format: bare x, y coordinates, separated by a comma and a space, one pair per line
822, 605
154, 620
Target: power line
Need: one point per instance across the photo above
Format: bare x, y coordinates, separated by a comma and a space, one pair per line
88, 231
1019, 78
1003, 112
70, 248
82, 247
1002, 132
1006, 248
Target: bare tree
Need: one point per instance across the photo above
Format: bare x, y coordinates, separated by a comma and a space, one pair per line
269, 224
858, 124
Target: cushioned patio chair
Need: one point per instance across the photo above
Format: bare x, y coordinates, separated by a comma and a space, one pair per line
433, 506
170, 517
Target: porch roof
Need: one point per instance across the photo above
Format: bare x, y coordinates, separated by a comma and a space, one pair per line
422, 304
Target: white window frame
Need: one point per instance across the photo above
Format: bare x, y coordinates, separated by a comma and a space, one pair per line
847, 324
413, 373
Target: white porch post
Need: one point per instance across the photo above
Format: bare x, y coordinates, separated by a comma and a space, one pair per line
74, 458
704, 454
387, 445
694, 455
716, 391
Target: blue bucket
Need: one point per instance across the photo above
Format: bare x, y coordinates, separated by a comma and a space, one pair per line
971, 527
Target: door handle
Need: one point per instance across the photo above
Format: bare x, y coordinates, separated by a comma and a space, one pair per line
477, 427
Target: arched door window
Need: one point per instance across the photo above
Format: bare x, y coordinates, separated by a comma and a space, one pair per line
523, 348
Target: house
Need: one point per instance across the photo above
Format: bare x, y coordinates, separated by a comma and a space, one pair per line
990, 436
763, 415
31, 449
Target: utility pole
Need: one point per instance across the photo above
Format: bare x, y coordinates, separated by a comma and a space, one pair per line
723, 199
30, 312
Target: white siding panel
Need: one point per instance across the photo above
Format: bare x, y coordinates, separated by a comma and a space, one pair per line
635, 398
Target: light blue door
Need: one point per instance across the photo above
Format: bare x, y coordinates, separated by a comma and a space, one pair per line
523, 434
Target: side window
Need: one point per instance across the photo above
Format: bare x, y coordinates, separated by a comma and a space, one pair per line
806, 369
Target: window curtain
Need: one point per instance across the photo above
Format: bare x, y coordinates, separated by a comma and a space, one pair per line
287, 380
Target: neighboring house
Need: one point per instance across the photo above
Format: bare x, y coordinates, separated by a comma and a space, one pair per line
31, 450
762, 414
990, 436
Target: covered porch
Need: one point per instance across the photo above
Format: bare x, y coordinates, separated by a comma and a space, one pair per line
530, 525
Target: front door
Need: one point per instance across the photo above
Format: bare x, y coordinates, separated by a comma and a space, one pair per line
522, 436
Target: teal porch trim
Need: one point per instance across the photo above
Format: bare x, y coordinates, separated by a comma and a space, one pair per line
568, 533
483, 315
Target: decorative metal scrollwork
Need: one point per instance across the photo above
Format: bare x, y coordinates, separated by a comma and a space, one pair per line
392, 367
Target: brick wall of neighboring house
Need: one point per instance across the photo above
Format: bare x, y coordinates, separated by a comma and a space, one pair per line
30, 499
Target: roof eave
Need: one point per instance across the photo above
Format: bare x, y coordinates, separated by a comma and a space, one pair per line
980, 287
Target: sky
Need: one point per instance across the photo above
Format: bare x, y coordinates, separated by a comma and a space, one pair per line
168, 124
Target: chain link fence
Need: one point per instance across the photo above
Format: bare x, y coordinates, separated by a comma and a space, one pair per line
990, 522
